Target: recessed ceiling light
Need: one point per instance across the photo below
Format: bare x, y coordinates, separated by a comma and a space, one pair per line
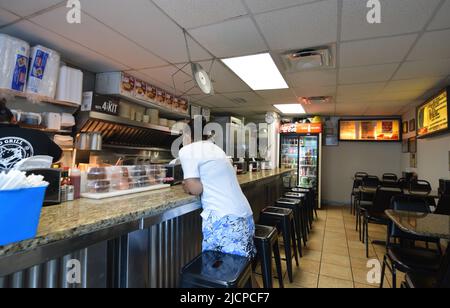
290, 108
258, 71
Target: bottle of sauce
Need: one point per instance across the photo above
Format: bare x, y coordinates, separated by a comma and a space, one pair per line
65, 182
75, 179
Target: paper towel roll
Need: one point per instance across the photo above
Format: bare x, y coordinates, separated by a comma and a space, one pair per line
13, 63
44, 70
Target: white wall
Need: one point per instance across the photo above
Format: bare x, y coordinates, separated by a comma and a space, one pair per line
339, 164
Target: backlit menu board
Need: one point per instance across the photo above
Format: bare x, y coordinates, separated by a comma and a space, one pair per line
377, 130
433, 116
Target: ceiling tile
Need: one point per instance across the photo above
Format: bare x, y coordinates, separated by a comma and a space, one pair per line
250, 97
70, 51
323, 109
98, 37
236, 37
26, 7
7, 17
259, 6
305, 26
146, 25
360, 91
309, 91
278, 96
432, 45
441, 21
376, 51
183, 81
423, 69
197, 13
218, 101
397, 17
351, 109
422, 84
312, 78
399, 96
367, 74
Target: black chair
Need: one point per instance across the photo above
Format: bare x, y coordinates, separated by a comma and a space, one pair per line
365, 199
420, 187
443, 207
284, 221
390, 177
405, 258
217, 270
390, 180
357, 182
439, 280
375, 213
266, 242
297, 206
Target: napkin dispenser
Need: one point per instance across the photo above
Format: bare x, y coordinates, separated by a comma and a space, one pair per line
53, 177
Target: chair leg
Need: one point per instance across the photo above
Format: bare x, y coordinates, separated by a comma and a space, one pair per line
276, 252
294, 243
266, 266
394, 277
288, 251
383, 272
299, 236
367, 237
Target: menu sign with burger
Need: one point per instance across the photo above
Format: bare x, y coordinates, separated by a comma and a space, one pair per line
433, 116
377, 130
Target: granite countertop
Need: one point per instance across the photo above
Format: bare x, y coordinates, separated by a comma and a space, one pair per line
84, 216
421, 224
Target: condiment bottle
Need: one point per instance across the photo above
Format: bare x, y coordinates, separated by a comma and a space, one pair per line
75, 179
65, 181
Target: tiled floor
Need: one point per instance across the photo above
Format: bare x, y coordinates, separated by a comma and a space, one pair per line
335, 258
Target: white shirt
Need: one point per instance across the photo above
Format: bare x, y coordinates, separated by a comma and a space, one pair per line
222, 193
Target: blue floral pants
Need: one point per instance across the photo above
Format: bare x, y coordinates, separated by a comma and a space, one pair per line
229, 234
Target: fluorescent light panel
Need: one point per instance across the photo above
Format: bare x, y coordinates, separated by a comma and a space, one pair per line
258, 71
290, 108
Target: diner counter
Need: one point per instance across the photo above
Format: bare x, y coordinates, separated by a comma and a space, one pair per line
83, 217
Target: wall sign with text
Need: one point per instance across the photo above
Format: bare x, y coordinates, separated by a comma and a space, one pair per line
433, 116
374, 130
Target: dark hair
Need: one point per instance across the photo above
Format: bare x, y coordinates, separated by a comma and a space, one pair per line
194, 126
5, 114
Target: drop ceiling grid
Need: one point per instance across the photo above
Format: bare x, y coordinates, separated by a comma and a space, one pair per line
408, 69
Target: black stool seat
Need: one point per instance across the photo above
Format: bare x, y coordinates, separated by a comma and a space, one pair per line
217, 270
297, 206
307, 210
266, 242
284, 220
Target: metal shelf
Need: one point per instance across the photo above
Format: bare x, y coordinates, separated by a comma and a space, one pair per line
148, 104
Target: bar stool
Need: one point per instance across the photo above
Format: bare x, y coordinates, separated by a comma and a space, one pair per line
306, 198
283, 220
266, 242
217, 270
297, 206
311, 202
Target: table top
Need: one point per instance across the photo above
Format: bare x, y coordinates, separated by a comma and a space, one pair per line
371, 190
427, 225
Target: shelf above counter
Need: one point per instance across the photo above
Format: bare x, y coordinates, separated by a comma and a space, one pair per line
37, 98
153, 105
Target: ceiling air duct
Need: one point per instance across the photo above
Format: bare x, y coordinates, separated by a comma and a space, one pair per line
306, 59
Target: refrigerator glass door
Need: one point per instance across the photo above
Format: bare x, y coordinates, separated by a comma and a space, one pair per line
309, 161
289, 153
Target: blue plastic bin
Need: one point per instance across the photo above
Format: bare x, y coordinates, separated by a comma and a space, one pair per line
20, 211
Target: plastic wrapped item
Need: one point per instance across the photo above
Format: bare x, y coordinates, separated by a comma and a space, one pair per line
30, 118
97, 174
13, 63
70, 85
52, 120
44, 70
100, 186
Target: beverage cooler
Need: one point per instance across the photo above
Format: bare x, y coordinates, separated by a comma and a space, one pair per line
301, 149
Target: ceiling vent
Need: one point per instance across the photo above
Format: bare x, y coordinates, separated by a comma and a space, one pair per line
239, 100
315, 100
307, 59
